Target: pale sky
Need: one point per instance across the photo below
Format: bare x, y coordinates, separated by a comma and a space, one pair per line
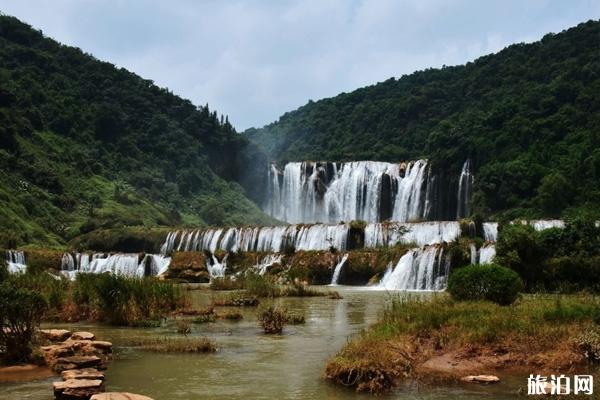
255, 60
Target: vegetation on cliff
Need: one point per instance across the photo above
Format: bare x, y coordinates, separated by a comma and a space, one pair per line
527, 117
85, 145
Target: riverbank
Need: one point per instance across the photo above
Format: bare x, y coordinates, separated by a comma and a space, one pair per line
443, 340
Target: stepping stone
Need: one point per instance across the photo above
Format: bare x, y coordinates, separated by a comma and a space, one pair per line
481, 378
83, 336
75, 389
55, 335
102, 345
86, 373
77, 362
119, 396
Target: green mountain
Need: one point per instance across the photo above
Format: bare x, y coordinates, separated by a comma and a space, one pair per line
528, 117
85, 145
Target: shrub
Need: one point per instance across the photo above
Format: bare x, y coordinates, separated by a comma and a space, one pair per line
231, 315
272, 319
20, 313
485, 282
588, 343
169, 345
226, 283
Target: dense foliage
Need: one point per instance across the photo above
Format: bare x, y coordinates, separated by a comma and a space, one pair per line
527, 116
485, 282
563, 260
21, 310
85, 145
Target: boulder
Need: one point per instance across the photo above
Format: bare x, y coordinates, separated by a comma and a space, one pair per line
82, 335
55, 335
481, 378
86, 373
119, 396
75, 389
76, 362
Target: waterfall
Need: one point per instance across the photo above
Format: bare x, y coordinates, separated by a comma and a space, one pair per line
407, 205
216, 268
119, 264
418, 269
419, 233
309, 192
267, 261
487, 254
474, 254
540, 225
338, 270
490, 231
15, 261
465, 188
273, 239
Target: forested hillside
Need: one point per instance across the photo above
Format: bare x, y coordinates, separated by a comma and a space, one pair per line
85, 145
528, 117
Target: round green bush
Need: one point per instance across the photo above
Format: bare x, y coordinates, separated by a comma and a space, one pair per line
485, 282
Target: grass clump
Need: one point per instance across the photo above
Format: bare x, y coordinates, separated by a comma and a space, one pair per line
295, 319
231, 315
237, 300
184, 327
204, 319
272, 319
170, 345
226, 283
412, 331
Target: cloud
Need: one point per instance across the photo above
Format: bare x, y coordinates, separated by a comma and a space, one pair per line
255, 60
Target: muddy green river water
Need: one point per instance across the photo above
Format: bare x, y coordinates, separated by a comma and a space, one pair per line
251, 365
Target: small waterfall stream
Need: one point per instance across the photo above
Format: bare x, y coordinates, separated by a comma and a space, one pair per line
15, 261
338, 270
419, 269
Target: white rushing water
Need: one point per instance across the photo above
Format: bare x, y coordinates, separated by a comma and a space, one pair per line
266, 262
465, 189
216, 268
372, 191
419, 233
15, 261
274, 239
338, 270
419, 269
119, 264
487, 254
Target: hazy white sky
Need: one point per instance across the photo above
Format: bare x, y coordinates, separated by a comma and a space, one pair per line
255, 60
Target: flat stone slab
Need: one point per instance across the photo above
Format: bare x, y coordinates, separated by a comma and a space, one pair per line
119, 396
77, 362
86, 373
481, 378
55, 335
82, 335
74, 389
102, 345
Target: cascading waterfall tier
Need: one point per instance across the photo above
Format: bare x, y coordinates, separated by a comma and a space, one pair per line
132, 265
309, 192
272, 239
419, 233
419, 269
15, 261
